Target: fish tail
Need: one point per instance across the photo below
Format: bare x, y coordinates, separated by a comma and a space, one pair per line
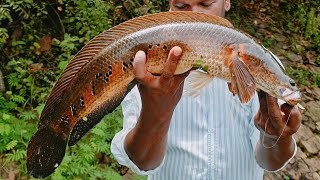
45, 152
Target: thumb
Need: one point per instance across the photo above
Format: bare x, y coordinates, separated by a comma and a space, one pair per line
139, 65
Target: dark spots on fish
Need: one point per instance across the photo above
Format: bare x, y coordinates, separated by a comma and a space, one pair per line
106, 79
150, 46
110, 73
164, 47
98, 75
65, 119
131, 59
110, 67
81, 101
124, 64
92, 87
292, 82
158, 45
73, 109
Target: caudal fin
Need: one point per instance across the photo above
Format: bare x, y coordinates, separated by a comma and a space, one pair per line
45, 152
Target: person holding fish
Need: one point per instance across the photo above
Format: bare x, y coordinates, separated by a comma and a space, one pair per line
169, 135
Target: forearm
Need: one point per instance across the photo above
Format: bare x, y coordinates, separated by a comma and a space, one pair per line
145, 144
273, 158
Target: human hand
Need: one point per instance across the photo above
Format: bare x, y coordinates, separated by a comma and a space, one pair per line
159, 94
275, 121
146, 143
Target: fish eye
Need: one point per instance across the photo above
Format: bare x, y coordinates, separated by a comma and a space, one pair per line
292, 83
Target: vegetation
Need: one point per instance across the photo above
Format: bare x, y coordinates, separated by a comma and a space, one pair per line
38, 38
306, 21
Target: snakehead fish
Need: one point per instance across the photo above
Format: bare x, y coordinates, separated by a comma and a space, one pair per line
101, 74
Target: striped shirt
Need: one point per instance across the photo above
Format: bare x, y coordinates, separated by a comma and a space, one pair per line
211, 136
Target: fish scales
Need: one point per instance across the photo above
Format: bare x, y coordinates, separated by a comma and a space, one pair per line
101, 74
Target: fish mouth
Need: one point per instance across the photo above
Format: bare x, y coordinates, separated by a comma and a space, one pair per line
292, 97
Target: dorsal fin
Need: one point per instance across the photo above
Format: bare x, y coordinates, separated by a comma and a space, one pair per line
275, 58
104, 39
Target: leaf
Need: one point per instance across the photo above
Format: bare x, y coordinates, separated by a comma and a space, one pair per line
45, 43
99, 132
15, 43
16, 155
28, 115
62, 65
18, 99
5, 129
39, 108
5, 116
13, 80
11, 144
86, 147
201, 64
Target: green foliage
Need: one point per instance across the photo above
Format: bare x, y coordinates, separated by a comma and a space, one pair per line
306, 21
90, 158
15, 130
304, 77
30, 73
286, 178
87, 18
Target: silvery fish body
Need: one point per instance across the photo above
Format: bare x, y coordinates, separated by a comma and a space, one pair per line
101, 74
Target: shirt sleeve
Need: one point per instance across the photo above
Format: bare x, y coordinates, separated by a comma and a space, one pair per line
131, 106
255, 133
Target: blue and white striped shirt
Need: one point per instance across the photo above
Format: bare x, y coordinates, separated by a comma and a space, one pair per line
211, 136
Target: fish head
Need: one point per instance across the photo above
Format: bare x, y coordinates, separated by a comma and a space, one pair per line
274, 80
287, 90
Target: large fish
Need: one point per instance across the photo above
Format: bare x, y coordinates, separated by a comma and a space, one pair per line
101, 74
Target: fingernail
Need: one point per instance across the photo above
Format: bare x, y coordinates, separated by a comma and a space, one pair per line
177, 51
139, 55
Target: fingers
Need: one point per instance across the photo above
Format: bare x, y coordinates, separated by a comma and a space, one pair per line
146, 78
263, 102
172, 62
269, 112
273, 106
140, 69
139, 65
294, 116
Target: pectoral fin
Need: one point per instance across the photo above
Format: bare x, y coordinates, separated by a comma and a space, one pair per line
242, 81
233, 85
